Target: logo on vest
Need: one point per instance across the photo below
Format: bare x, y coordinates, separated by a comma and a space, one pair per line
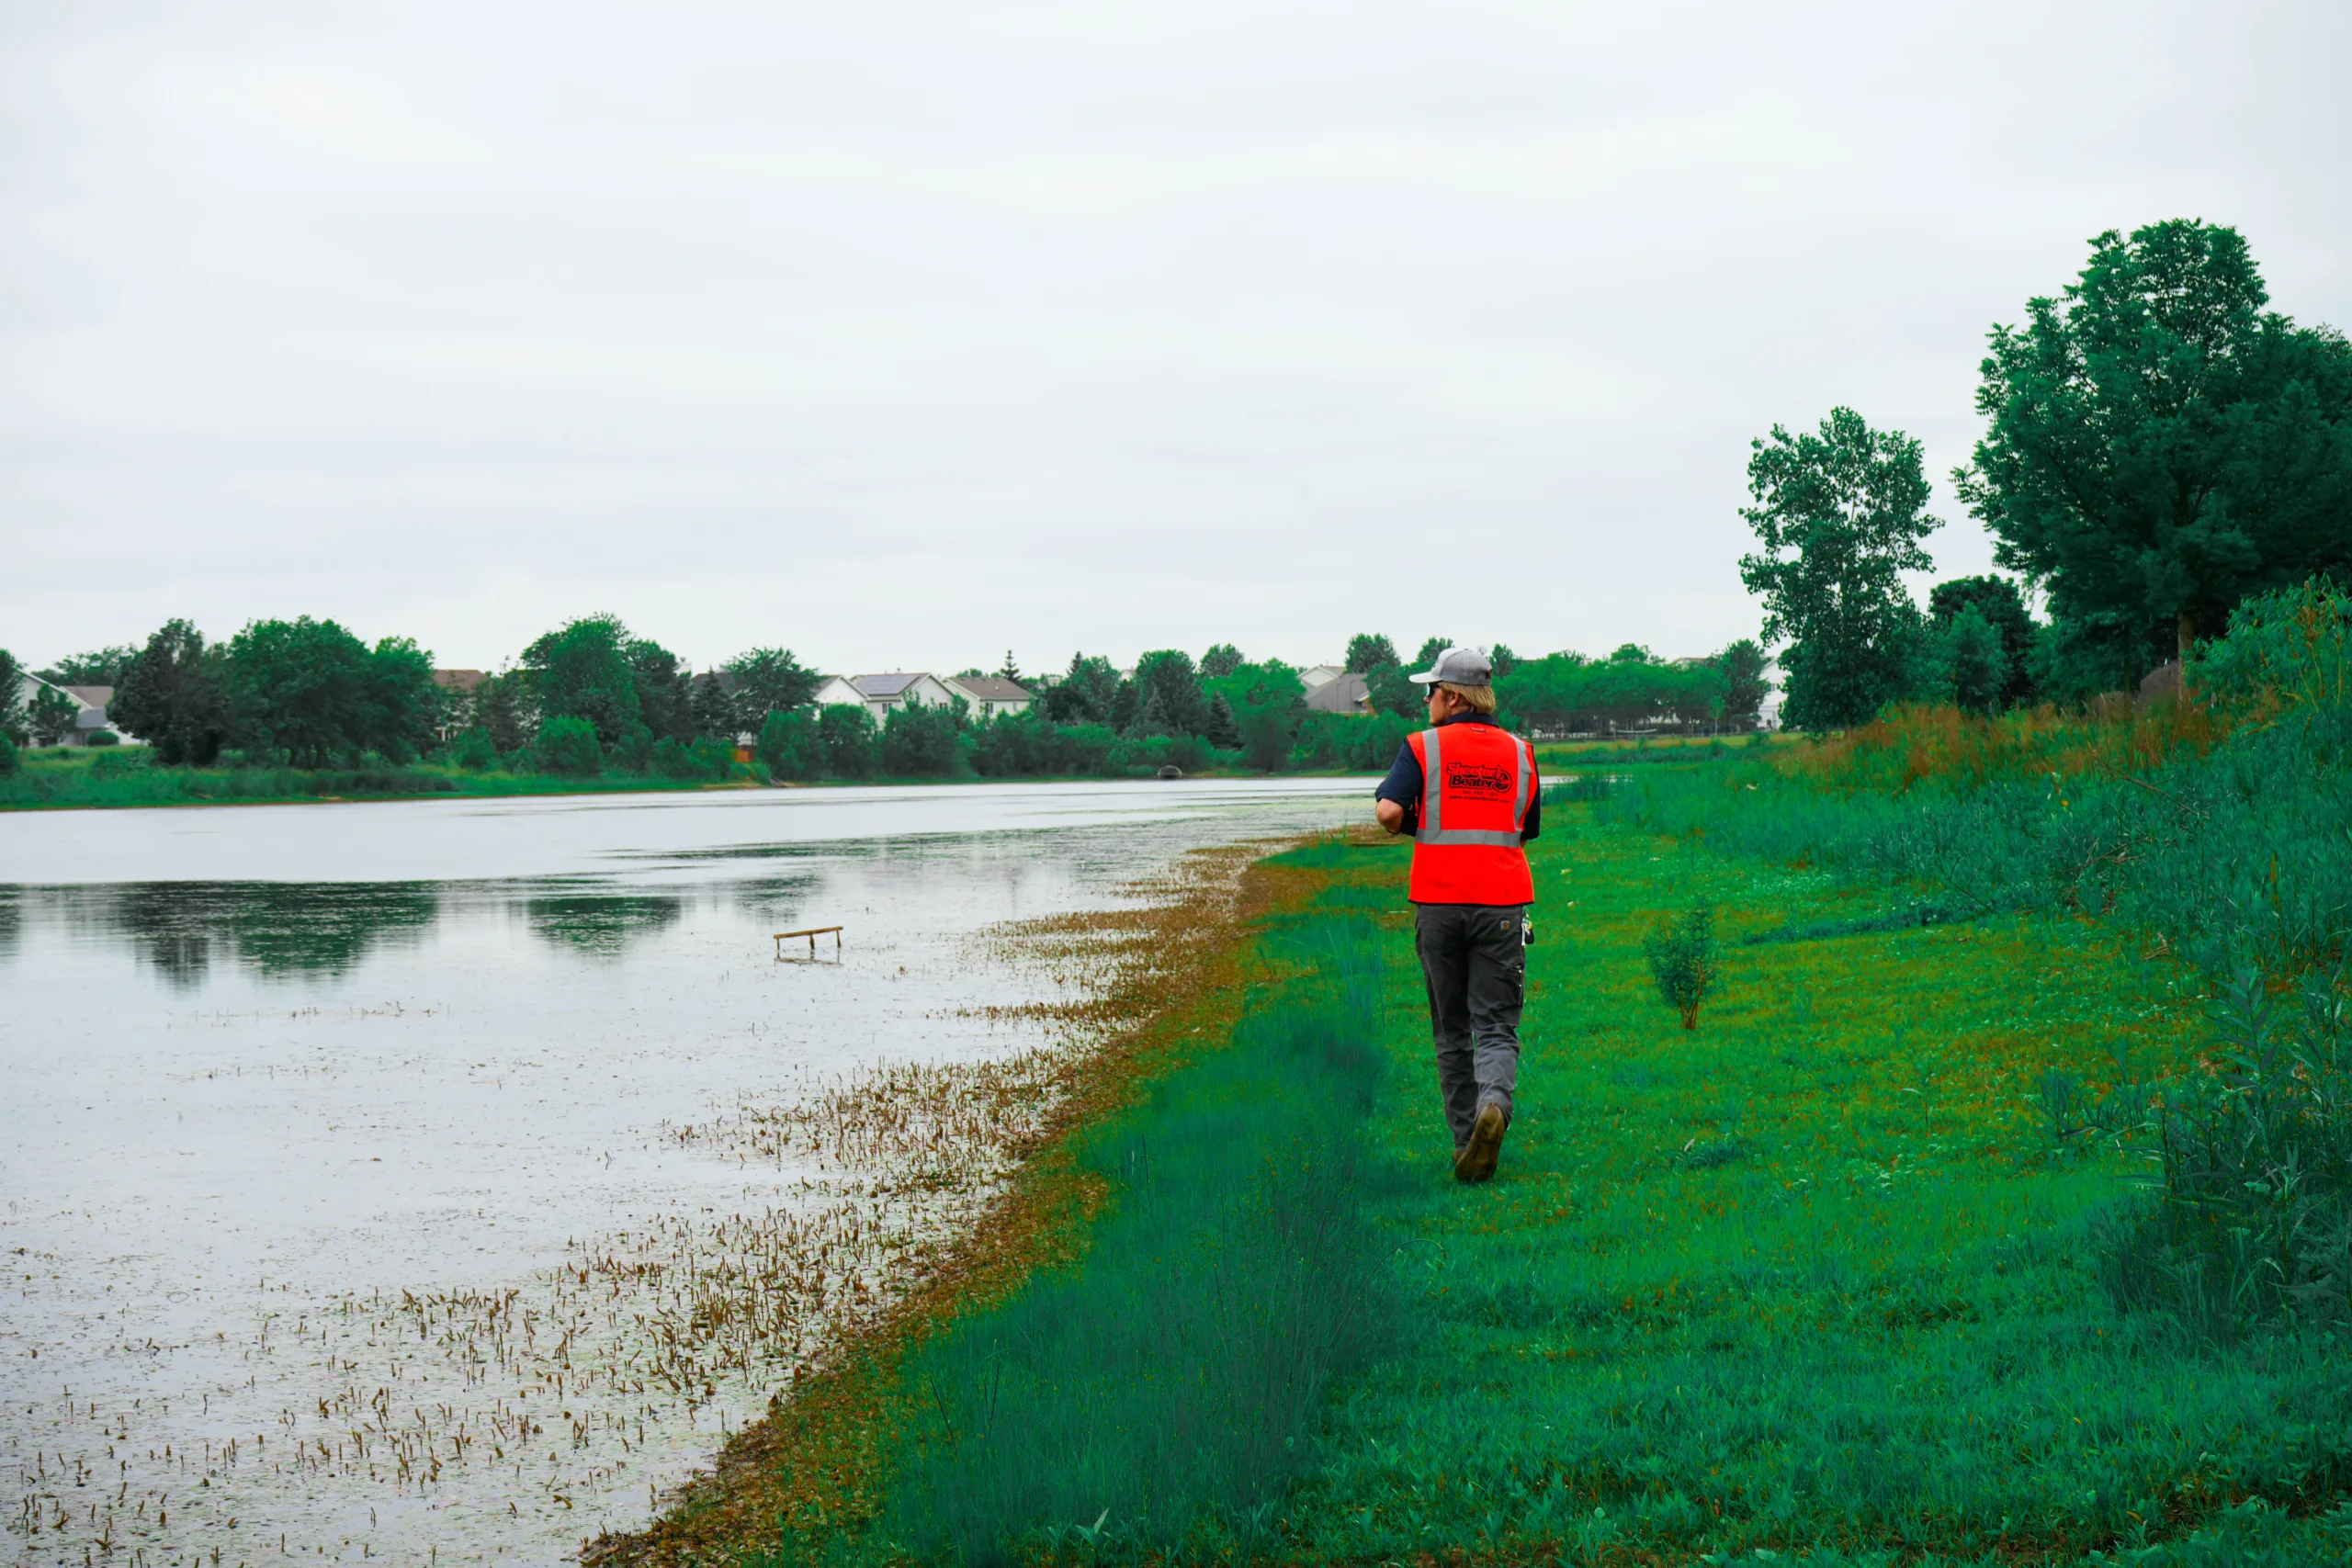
1473, 778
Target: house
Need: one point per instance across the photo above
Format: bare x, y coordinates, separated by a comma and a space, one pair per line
1320, 675
835, 691
1341, 693
89, 709
456, 686
992, 696
880, 693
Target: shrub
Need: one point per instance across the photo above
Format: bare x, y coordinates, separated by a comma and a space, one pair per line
791, 745
1681, 955
474, 750
920, 741
2247, 1217
568, 746
673, 761
7, 756
845, 730
103, 737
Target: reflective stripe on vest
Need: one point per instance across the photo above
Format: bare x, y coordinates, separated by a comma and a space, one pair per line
1433, 829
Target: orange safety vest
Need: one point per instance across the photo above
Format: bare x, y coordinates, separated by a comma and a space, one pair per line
1477, 782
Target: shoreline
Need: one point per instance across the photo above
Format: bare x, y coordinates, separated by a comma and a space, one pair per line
1182, 966
729, 786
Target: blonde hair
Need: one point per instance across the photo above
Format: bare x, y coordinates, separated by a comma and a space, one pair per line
1478, 699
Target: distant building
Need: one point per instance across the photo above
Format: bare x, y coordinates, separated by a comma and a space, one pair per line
1321, 675
459, 684
992, 696
89, 708
1343, 692
879, 693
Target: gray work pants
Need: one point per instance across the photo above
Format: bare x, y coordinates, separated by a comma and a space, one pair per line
1476, 970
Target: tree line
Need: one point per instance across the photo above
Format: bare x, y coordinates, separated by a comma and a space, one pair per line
2159, 446
592, 696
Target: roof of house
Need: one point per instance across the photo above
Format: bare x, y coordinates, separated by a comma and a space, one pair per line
891, 684
1341, 693
458, 680
991, 688
1316, 675
90, 696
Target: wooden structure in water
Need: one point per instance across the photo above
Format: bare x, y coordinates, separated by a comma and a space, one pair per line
812, 933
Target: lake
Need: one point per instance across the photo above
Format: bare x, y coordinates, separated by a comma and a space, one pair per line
444, 1180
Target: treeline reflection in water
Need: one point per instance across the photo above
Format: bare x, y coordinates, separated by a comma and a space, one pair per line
185, 932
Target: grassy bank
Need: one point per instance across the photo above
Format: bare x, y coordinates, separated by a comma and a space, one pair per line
1822, 1277
1998, 1208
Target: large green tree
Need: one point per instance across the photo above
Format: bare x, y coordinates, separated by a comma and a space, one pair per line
1840, 513
51, 716
664, 693
770, 680
1745, 686
1265, 700
1220, 661
312, 690
582, 670
2160, 445
1088, 694
1369, 651
1996, 599
1168, 696
174, 695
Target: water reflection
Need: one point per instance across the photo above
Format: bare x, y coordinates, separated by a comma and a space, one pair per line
601, 923
277, 929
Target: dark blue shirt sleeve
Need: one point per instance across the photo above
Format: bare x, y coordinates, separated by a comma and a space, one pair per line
1403, 784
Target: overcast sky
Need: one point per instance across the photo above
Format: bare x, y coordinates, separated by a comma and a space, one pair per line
899, 334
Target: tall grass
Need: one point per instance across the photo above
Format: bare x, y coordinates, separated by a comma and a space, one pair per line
1162, 1392
2220, 829
2216, 825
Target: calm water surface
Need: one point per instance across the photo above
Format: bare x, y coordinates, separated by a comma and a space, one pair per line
271, 1072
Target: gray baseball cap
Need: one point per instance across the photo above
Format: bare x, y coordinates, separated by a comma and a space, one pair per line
1459, 666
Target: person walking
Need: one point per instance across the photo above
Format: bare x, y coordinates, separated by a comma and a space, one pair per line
1466, 789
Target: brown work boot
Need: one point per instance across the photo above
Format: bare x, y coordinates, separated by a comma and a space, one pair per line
1477, 1160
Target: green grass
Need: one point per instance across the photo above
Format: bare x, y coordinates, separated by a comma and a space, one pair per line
1165, 1390
1815, 1278
1820, 1279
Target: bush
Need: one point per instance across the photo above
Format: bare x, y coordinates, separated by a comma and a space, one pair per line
922, 742
845, 730
1030, 744
1682, 955
2248, 1218
103, 737
673, 761
791, 746
474, 750
568, 746
7, 756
